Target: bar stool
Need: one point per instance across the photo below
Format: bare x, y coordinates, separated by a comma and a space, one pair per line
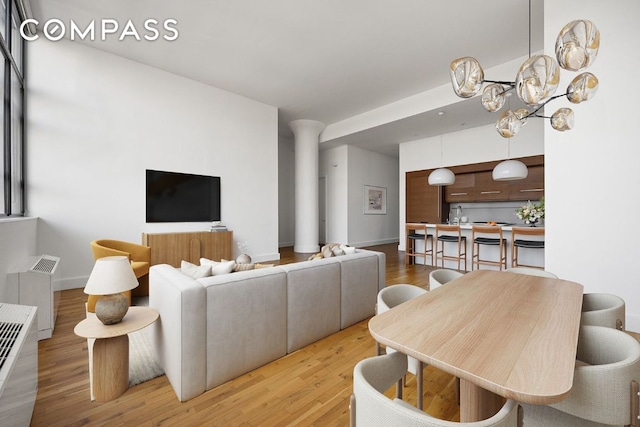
451, 234
412, 237
525, 243
498, 241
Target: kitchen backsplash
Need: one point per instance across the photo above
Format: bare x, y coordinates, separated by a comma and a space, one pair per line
488, 211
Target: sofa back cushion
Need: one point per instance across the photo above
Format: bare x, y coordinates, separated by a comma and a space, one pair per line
246, 322
359, 281
313, 301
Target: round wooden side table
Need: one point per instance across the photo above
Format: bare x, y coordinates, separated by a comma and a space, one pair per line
111, 350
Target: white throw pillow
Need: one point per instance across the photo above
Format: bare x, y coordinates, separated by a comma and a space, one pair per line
217, 268
348, 249
195, 271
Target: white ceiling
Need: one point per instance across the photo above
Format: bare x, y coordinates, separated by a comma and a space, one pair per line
325, 60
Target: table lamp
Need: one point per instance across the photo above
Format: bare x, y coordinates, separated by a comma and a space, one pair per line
110, 277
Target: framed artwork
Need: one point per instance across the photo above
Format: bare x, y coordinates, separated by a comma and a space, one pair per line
375, 200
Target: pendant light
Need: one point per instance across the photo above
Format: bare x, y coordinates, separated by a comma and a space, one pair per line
510, 170
441, 176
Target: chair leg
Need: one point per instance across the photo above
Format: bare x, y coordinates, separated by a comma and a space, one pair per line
352, 410
635, 404
419, 390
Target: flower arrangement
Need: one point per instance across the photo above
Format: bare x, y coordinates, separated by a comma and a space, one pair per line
531, 213
243, 247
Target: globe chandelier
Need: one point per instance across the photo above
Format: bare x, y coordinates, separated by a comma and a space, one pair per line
537, 79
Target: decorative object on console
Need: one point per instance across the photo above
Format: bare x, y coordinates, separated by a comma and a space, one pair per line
217, 226
110, 277
243, 258
537, 79
441, 176
531, 213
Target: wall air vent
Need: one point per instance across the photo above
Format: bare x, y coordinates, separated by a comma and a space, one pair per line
8, 334
45, 264
32, 282
19, 365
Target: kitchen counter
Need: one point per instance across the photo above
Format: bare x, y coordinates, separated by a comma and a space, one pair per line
531, 256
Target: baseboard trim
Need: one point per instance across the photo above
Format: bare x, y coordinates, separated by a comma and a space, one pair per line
374, 242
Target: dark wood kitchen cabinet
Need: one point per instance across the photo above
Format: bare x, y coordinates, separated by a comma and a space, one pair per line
424, 202
531, 188
463, 190
489, 190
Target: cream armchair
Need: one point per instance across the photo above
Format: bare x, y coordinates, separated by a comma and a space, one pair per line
605, 384
370, 407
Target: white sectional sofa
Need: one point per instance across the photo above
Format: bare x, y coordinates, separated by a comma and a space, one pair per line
214, 329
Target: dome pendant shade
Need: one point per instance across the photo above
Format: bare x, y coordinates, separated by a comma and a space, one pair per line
441, 176
509, 170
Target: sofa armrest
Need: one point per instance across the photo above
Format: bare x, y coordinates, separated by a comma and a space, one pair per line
179, 336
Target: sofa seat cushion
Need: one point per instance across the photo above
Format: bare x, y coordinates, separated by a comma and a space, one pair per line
313, 301
246, 322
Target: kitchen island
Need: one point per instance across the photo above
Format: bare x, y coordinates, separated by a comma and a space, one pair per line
527, 256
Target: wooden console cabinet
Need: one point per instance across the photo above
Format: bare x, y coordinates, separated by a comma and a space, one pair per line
172, 248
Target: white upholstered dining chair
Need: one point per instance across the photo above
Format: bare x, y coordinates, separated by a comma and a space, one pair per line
441, 276
603, 310
369, 406
388, 298
605, 384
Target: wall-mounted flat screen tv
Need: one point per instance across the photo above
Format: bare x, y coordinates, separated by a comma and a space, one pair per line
182, 197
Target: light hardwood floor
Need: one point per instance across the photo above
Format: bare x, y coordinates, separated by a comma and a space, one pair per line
308, 387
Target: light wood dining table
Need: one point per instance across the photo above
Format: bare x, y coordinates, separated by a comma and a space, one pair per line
505, 335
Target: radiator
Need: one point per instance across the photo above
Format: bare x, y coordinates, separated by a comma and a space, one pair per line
18, 364
32, 283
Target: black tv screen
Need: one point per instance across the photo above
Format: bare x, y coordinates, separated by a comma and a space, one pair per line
182, 197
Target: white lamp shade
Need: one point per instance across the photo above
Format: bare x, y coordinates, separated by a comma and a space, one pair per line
510, 170
441, 177
111, 275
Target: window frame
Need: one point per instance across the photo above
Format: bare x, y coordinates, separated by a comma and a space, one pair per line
13, 151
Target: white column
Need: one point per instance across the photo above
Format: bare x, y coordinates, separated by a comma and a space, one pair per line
306, 134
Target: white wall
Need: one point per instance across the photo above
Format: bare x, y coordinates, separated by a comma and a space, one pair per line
476, 145
334, 166
347, 170
18, 237
97, 121
286, 191
371, 168
591, 172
